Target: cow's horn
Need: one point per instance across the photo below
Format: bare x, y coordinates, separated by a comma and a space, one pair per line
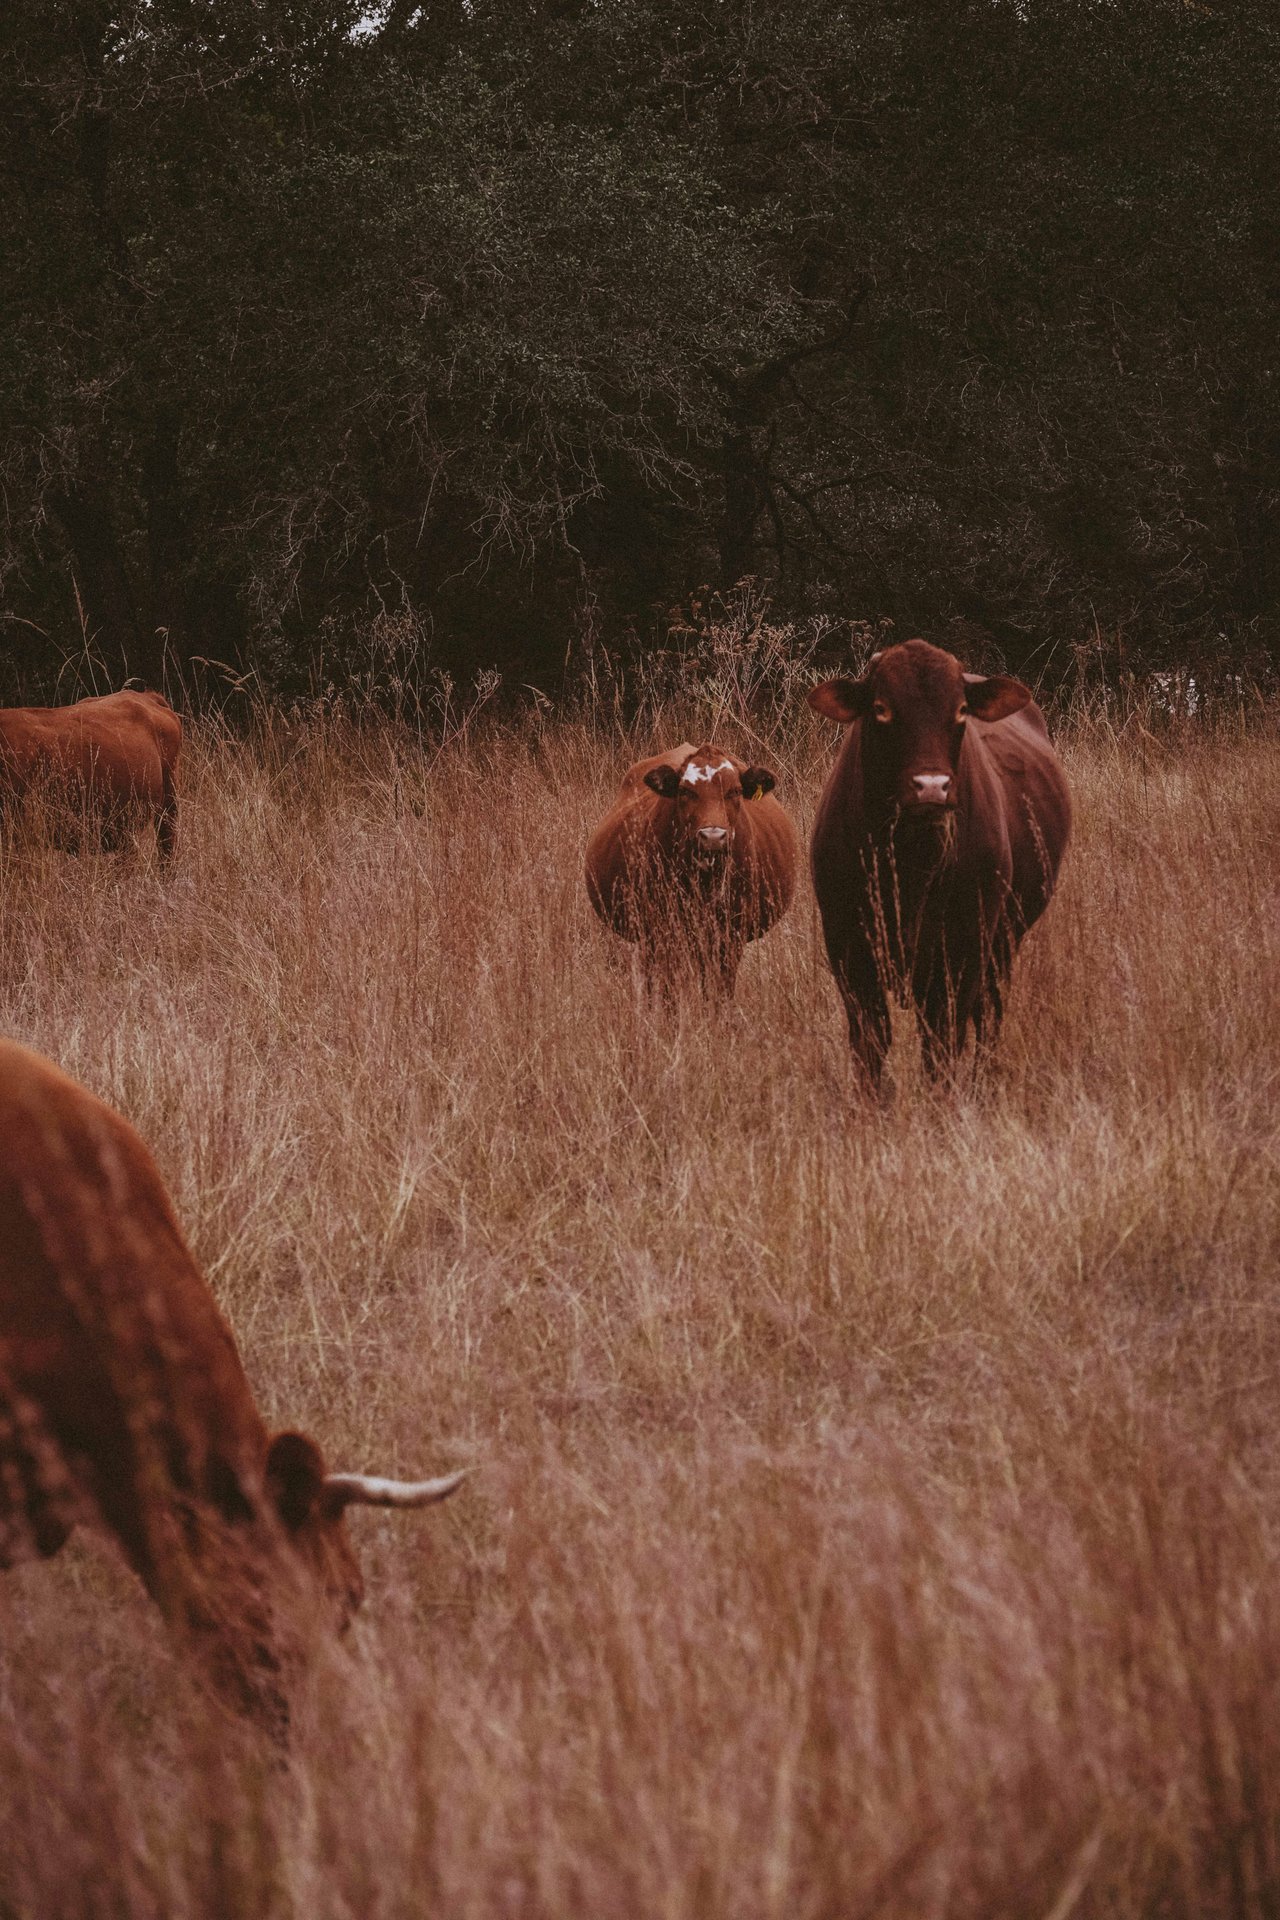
366, 1490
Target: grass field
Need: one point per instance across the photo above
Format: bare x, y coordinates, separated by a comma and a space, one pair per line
877, 1510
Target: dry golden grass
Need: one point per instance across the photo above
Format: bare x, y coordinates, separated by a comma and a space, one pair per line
878, 1511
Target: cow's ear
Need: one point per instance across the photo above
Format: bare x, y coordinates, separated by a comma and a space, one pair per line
994, 696
842, 700
757, 781
295, 1478
664, 781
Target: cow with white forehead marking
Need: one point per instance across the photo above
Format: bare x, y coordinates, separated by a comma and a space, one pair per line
694, 858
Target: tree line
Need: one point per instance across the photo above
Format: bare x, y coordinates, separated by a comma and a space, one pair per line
495, 322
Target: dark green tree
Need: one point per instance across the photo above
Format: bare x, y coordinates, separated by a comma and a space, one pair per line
477, 311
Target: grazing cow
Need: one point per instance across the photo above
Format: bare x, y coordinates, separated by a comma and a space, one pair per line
936, 845
112, 758
124, 1406
694, 858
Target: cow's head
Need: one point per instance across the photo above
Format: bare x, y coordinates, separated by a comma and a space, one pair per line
311, 1503
709, 792
914, 702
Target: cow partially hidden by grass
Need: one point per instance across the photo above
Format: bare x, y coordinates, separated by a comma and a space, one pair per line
694, 858
124, 1405
936, 845
105, 762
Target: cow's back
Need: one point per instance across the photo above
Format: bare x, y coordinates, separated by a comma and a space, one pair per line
114, 1360
119, 745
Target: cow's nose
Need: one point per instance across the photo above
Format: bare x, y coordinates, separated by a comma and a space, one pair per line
934, 788
713, 837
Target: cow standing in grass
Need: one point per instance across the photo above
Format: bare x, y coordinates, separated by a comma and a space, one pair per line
124, 1405
109, 760
694, 858
937, 843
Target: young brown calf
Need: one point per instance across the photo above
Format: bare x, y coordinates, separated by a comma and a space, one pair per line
694, 858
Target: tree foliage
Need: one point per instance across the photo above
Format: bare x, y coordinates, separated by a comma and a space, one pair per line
483, 312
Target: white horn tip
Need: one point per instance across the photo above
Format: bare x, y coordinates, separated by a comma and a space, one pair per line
366, 1490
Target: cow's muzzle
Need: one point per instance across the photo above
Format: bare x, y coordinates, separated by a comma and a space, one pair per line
711, 845
930, 793
929, 802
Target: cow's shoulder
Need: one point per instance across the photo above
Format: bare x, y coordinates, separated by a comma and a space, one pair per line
28, 1082
59, 1140
1016, 746
146, 704
153, 712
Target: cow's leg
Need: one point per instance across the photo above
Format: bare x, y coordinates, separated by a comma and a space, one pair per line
866, 1007
106, 821
38, 1500
988, 1001
947, 1013
944, 1005
941, 1032
718, 960
869, 1034
167, 818
120, 1515
34, 1529
988, 1013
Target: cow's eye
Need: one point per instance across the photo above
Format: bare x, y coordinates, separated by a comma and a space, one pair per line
882, 712
962, 712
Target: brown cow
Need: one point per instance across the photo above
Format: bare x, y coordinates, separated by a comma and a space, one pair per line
936, 845
124, 1406
111, 758
694, 858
